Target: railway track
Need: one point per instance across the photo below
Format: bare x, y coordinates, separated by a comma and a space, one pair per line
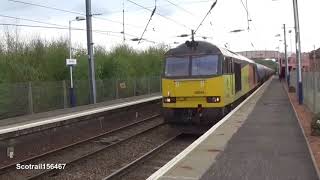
39, 140
101, 164
144, 166
80, 150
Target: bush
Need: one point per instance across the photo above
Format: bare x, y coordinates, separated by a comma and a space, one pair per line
40, 60
315, 125
292, 89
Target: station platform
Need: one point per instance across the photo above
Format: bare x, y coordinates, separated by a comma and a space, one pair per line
12, 125
261, 139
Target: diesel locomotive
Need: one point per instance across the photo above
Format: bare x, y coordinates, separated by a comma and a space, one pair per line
202, 82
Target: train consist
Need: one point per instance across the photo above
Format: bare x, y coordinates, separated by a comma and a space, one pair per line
202, 82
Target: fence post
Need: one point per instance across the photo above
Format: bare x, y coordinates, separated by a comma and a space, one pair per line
117, 89
102, 90
305, 86
149, 85
315, 89
134, 86
65, 100
30, 98
160, 81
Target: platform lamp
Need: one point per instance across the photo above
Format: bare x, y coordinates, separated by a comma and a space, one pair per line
72, 62
279, 62
278, 48
298, 49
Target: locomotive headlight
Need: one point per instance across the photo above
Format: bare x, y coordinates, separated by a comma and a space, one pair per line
169, 99
214, 99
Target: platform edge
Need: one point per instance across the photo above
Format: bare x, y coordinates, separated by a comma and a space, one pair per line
304, 135
158, 174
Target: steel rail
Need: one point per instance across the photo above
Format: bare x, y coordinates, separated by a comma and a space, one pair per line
47, 171
124, 170
7, 167
91, 111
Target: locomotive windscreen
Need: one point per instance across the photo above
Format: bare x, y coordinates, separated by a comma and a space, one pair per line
200, 66
177, 66
204, 65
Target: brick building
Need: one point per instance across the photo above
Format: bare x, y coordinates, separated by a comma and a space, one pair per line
315, 63
292, 62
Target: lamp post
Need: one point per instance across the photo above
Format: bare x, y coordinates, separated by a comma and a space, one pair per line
314, 80
290, 31
279, 62
278, 48
298, 49
71, 90
286, 55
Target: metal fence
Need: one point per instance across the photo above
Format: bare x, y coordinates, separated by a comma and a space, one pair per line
311, 88
33, 97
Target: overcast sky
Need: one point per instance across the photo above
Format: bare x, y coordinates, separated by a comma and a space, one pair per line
267, 17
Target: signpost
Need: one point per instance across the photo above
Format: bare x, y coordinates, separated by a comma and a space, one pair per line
71, 63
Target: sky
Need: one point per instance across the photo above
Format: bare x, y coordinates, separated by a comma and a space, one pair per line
177, 17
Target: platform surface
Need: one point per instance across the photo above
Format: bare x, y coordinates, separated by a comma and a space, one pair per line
261, 140
9, 123
269, 145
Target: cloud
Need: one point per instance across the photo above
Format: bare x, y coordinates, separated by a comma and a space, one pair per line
268, 18
165, 11
98, 6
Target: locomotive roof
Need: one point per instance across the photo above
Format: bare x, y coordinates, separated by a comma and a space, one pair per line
205, 48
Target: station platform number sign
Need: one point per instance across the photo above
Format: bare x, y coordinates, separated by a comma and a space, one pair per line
71, 62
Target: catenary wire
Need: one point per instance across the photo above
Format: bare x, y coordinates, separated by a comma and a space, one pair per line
212, 6
68, 11
152, 13
79, 29
172, 20
183, 9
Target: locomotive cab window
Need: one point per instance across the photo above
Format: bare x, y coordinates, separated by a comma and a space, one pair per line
204, 65
177, 66
237, 72
227, 65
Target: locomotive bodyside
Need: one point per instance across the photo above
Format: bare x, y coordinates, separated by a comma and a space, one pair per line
203, 82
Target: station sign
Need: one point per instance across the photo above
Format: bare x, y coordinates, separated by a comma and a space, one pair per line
71, 62
123, 85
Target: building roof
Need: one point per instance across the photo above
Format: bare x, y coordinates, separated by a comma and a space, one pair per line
317, 53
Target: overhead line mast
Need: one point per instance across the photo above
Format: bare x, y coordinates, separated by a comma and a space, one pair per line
124, 36
92, 77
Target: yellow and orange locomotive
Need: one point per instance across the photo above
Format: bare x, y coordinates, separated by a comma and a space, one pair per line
202, 82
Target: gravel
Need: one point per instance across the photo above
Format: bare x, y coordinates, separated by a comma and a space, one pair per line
30, 145
168, 152
109, 160
74, 152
